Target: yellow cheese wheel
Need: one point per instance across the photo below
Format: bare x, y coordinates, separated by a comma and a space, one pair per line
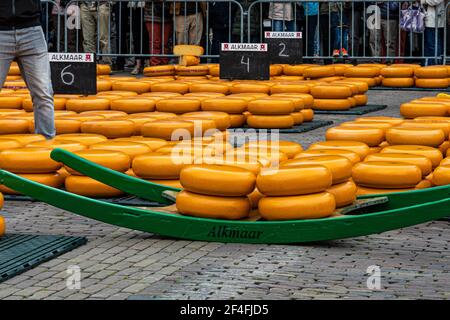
168, 129
295, 180
216, 180
225, 105
371, 82
370, 136
84, 138
420, 161
350, 155
178, 105
28, 160
361, 99
71, 146
10, 112
221, 119
187, 60
250, 88
160, 166
209, 87
398, 82
103, 69
109, 128
397, 72
157, 71
13, 126
6, 143
431, 72
53, 180
444, 147
152, 143
361, 85
344, 193
319, 72
189, 71
88, 187
134, 86
289, 88
298, 118
308, 114
155, 115
295, 70
445, 162
331, 92
362, 72
204, 206
424, 136
424, 184
24, 139
10, 102
413, 110
287, 147
441, 175
386, 174
271, 106
368, 124
64, 126
133, 105
104, 85
360, 148
311, 206
121, 93
202, 126
431, 153
250, 163
173, 86
339, 166
131, 148
238, 120
365, 190
203, 95
87, 104
431, 83
332, 104
114, 160
270, 122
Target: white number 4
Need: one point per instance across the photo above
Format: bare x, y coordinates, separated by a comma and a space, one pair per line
246, 63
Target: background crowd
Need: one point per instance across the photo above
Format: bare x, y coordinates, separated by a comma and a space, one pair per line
120, 30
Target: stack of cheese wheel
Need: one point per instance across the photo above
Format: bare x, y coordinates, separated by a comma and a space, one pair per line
88, 187
371, 135
271, 113
295, 192
398, 76
432, 77
367, 73
234, 107
189, 62
33, 163
308, 103
296, 70
2, 220
215, 191
359, 89
333, 97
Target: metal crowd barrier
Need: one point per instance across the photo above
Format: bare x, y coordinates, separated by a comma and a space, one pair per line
368, 30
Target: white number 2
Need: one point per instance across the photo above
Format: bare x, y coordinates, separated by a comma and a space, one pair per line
65, 75
246, 63
283, 48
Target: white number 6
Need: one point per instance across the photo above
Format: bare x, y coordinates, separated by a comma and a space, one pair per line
70, 75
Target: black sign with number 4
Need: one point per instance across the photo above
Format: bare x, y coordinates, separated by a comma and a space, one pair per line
284, 47
73, 73
244, 61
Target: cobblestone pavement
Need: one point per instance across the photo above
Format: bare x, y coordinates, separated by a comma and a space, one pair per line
118, 263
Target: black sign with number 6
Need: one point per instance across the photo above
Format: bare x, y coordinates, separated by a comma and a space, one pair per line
73, 73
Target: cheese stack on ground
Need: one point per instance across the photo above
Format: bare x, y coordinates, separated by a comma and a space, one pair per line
398, 76
432, 77
368, 73
334, 96
189, 63
234, 107
438, 106
271, 113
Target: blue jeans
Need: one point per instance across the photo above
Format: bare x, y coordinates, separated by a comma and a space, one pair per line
433, 46
288, 25
28, 46
336, 26
312, 36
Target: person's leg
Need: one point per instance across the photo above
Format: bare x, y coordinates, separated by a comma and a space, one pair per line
166, 34
154, 34
277, 25
374, 42
440, 44
429, 43
32, 58
324, 31
103, 29
7, 52
181, 29
390, 33
88, 28
335, 33
195, 28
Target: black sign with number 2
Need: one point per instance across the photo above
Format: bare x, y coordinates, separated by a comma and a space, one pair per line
284, 47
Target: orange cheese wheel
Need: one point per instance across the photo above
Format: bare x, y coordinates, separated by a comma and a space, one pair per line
28, 160
397, 72
114, 160
133, 105
271, 106
250, 88
398, 82
200, 70
24, 139
84, 138
420, 161
386, 174
134, 86
238, 120
298, 117
173, 86
287, 147
332, 104
157, 71
87, 104
368, 124
295, 70
122, 93
225, 105
362, 86
270, 122
204, 95
71, 146
308, 99
241, 161
371, 82
361, 99
209, 87
10, 112
138, 122
431, 72
311, 206
331, 92
350, 155
295, 180
370, 136
441, 175
204, 206
88, 187
53, 180
424, 184
365, 190
152, 143
339, 166
424, 136
168, 129
132, 149
445, 162
444, 147
319, 72
289, 88
431, 153
360, 148
308, 114
103, 69
10, 102
104, 85
413, 110
6, 143
362, 72
221, 119
154, 115
109, 128
431, 83
215, 180
13, 126
160, 166
344, 193
393, 121
64, 126
178, 105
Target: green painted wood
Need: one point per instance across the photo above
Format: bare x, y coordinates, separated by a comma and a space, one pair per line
128, 184
295, 231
